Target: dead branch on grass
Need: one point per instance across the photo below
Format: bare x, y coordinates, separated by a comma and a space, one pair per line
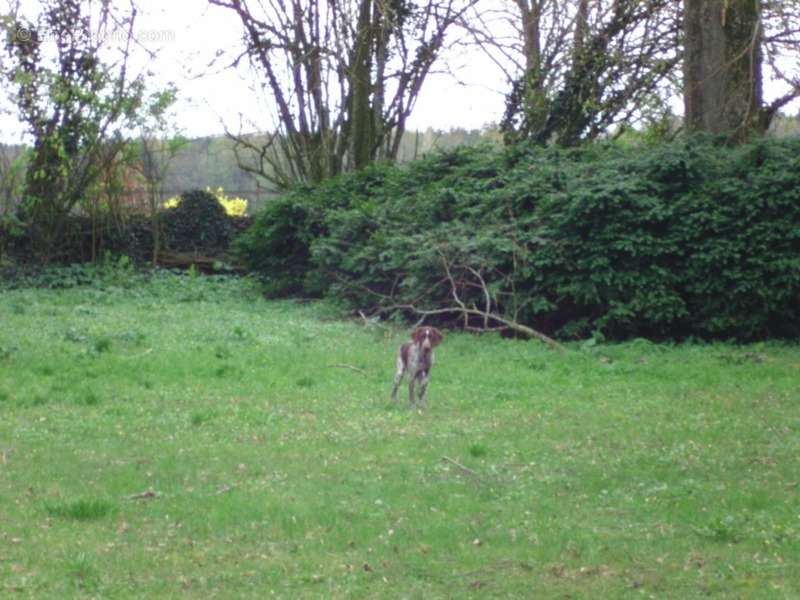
460, 467
490, 318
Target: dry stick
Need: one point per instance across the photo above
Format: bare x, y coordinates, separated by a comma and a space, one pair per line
466, 470
486, 314
146, 495
362, 371
223, 490
486, 296
466, 312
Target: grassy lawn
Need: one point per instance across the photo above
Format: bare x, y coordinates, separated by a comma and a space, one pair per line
186, 438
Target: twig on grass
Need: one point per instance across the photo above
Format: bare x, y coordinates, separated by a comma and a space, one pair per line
351, 367
148, 494
461, 467
481, 479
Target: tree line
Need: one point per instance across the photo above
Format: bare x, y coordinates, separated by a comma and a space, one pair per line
344, 76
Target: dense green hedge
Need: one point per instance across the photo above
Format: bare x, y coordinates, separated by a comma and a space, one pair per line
673, 240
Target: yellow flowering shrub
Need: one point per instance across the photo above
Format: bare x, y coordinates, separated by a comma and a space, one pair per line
234, 207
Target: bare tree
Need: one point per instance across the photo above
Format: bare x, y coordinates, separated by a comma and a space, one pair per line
576, 68
343, 75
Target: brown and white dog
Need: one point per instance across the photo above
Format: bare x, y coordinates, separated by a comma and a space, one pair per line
416, 359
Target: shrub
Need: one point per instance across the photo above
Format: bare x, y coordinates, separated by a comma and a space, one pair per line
672, 240
234, 207
198, 221
277, 243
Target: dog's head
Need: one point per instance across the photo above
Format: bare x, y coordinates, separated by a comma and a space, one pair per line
427, 337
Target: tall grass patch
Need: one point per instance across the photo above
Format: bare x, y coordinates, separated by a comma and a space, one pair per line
81, 510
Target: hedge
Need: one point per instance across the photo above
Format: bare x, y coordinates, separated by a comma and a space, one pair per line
668, 241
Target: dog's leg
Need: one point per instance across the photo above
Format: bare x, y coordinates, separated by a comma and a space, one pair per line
423, 387
400, 369
411, 380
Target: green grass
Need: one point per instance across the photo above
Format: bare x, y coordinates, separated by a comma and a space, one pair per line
186, 438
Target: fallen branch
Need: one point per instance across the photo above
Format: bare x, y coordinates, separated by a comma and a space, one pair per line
487, 314
466, 311
488, 317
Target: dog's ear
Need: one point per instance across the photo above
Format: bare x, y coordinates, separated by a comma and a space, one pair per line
436, 336
417, 334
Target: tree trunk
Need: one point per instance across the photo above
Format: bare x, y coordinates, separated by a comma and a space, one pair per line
361, 115
722, 67
535, 99
155, 224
